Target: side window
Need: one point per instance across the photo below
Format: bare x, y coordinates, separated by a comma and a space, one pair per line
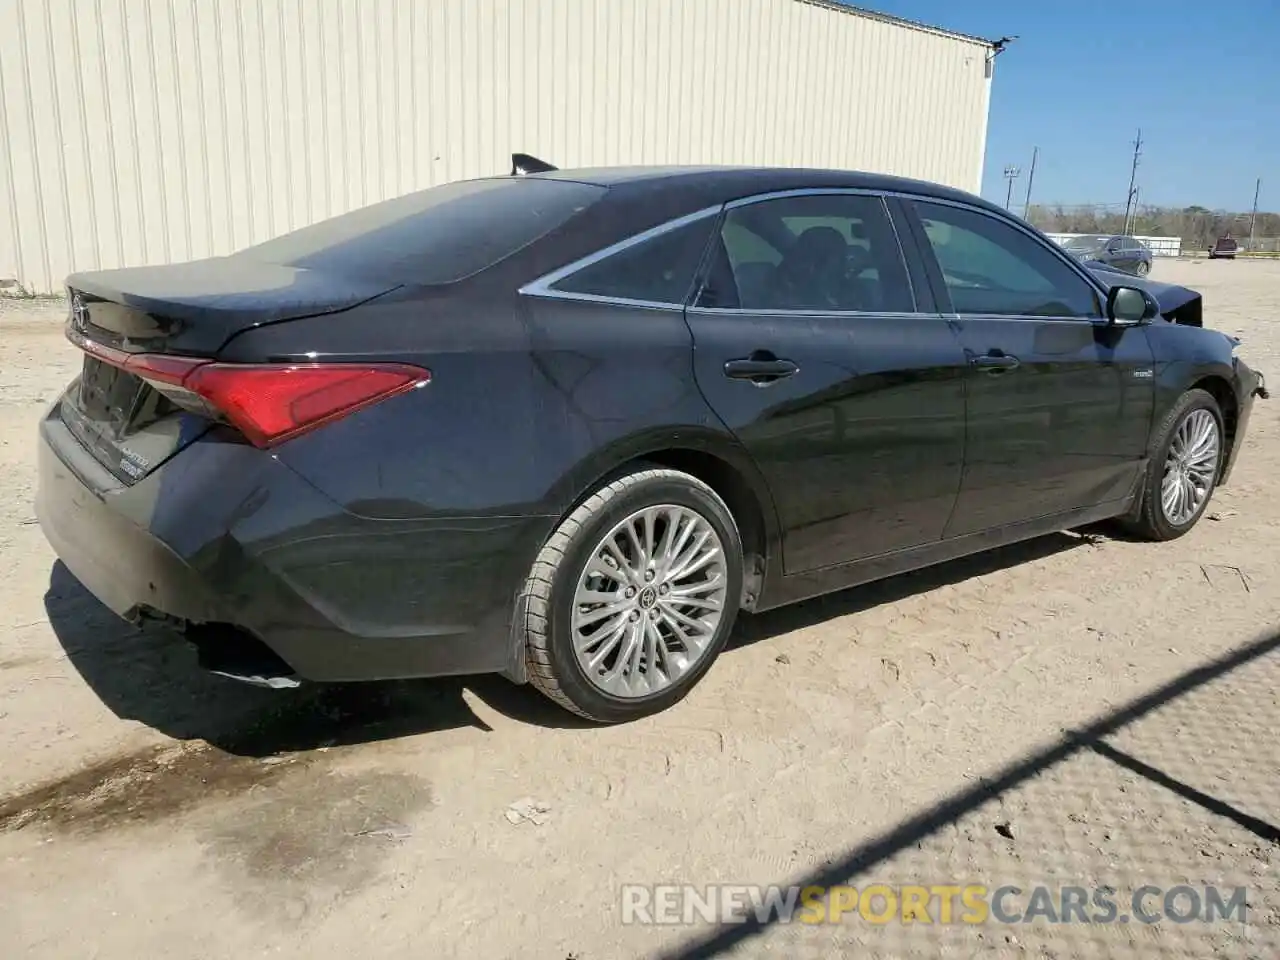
657, 270
820, 252
991, 268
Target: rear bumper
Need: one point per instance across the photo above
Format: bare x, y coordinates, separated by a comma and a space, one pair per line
128, 570
226, 535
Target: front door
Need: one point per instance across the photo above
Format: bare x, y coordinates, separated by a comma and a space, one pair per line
1059, 403
809, 346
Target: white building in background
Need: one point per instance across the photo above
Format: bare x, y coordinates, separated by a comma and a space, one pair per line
135, 133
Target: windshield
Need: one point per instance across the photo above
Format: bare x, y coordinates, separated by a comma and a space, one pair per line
438, 235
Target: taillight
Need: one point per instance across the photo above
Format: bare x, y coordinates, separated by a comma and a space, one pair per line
273, 403
269, 402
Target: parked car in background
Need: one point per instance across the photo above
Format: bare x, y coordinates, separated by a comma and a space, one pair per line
1224, 248
565, 425
1126, 254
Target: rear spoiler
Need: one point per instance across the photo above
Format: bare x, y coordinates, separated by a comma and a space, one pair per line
523, 164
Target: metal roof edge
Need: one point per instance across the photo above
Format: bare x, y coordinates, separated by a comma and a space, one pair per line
856, 11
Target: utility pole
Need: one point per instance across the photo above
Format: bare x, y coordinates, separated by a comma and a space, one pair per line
1253, 217
1031, 179
1133, 176
1011, 173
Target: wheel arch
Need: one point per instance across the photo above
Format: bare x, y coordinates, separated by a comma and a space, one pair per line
716, 460
1220, 388
720, 463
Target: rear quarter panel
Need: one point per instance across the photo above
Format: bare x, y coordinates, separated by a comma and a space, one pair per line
466, 445
442, 495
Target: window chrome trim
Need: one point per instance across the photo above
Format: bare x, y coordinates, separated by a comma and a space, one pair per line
805, 192
1025, 318
544, 285
825, 314
1094, 283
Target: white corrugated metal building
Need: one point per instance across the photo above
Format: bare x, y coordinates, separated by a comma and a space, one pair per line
138, 133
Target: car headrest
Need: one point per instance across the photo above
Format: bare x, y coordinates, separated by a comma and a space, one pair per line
818, 244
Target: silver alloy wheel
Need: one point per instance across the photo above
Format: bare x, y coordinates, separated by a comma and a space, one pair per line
1190, 467
649, 601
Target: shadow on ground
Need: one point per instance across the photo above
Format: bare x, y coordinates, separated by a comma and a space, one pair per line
752, 629
150, 674
1214, 728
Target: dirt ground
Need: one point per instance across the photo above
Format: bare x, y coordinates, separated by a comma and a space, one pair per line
1077, 710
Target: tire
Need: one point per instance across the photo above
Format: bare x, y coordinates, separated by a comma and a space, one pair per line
1143, 268
1153, 521
551, 599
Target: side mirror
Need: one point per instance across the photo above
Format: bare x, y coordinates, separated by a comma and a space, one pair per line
1129, 307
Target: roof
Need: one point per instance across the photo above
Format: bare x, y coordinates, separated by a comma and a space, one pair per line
849, 8
721, 183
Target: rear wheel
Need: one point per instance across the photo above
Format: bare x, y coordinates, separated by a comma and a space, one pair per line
1143, 268
1184, 468
633, 597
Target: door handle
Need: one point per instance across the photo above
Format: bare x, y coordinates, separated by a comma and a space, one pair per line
761, 368
994, 362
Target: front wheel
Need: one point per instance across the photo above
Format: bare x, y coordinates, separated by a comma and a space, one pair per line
1184, 468
1143, 268
633, 596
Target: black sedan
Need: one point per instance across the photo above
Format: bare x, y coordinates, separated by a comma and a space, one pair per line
564, 425
1126, 254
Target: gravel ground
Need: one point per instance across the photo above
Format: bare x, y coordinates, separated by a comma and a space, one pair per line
1075, 711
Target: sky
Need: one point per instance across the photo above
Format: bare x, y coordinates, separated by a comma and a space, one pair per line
1201, 78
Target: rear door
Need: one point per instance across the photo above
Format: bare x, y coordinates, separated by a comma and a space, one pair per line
1113, 254
848, 392
1059, 403
1131, 254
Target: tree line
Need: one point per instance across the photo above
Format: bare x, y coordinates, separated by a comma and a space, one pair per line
1198, 226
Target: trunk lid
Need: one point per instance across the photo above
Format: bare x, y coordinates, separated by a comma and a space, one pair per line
194, 308
130, 425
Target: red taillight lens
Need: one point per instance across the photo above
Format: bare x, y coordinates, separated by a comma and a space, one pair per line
270, 403
273, 403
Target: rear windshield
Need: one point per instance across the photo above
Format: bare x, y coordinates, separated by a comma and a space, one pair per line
437, 235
